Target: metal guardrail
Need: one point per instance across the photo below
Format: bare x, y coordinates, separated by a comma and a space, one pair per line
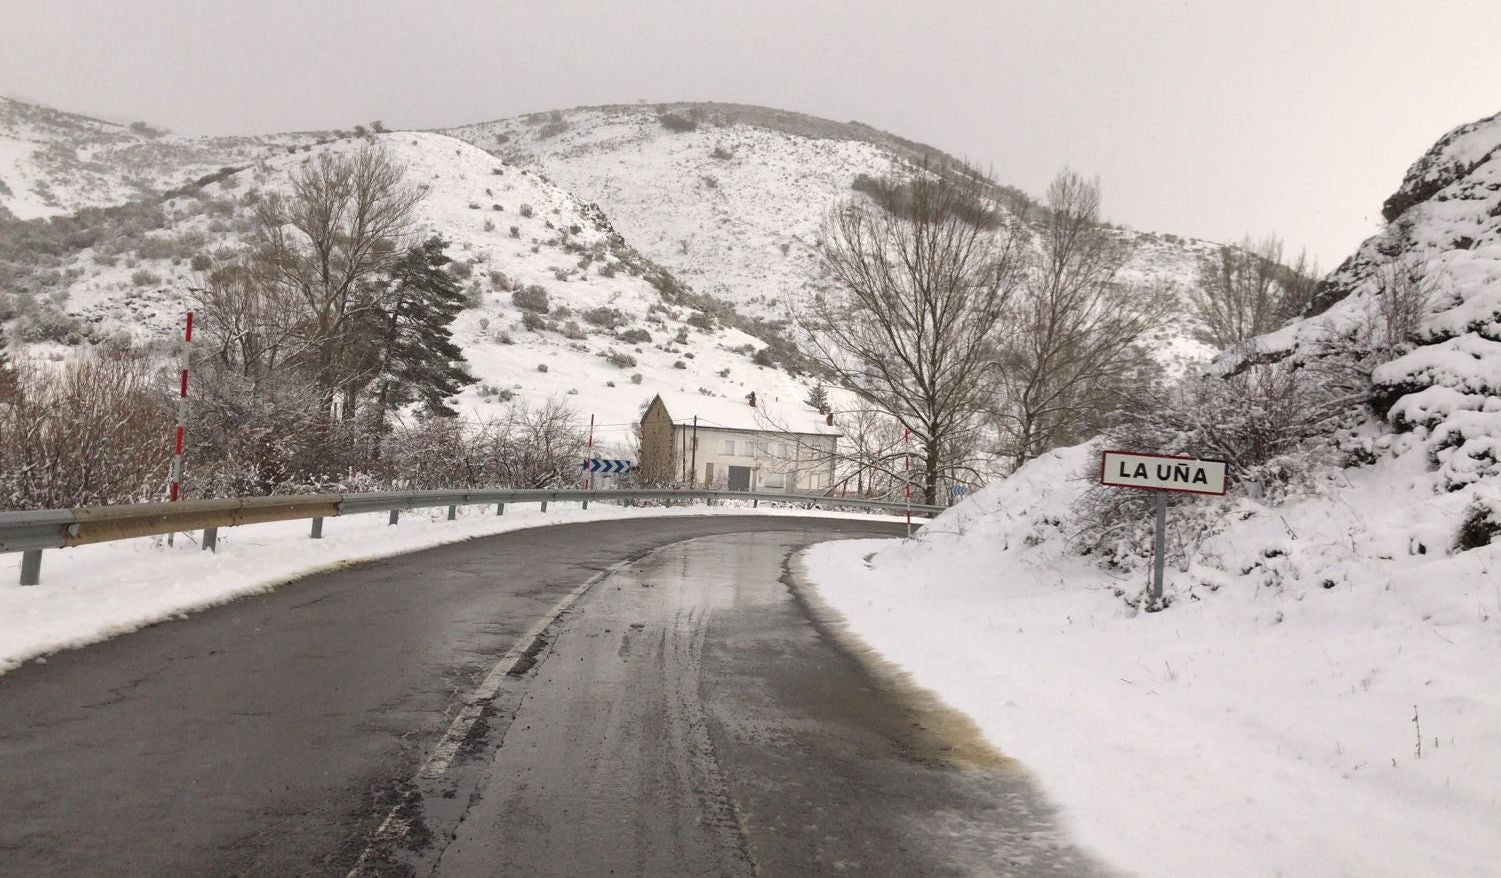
31, 532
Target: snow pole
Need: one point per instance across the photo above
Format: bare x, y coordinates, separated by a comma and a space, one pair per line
907, 467
180, 433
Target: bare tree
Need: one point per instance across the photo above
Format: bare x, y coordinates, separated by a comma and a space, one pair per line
921, 279
1401, 292
1071, 354
1245, 291
250, 326
346, 220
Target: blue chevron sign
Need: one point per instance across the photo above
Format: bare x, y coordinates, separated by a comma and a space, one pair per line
608, 466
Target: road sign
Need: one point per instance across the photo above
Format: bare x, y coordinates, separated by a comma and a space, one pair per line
598, 465
1162, 472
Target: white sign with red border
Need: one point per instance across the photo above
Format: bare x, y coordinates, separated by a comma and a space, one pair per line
1162, 472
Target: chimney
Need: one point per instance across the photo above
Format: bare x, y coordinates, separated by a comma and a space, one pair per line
829, 419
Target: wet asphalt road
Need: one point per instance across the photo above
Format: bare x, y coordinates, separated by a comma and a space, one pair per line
690, 715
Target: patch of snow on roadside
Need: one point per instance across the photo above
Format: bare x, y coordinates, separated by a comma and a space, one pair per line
1261, 725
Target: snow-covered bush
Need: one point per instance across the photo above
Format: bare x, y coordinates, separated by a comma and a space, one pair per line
1274, 425
532, 298
91, 432
607, 317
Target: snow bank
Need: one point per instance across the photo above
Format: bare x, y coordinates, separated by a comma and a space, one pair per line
93, 593
1261, 725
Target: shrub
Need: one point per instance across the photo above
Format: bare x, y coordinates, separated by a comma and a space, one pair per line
607, 317
636, 378
201, 262
143, 278
620, 360
541, 367
701, 320
676, 123
1479, 528
515, 231
552, 129
48, 323
721, 153
532, 321
532, 298
635, 336
679, 364
489, 225
88, 434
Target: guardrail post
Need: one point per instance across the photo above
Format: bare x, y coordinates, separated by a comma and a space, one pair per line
586, 502
210, 539
544, 505
395, 514
31, 566
756, 503
317, 531
500, 509
453, 512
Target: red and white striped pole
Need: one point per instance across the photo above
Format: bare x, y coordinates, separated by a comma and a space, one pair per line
180, 434
907, 438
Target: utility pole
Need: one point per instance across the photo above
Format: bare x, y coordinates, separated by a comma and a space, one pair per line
180, 433
589, 485
907, 466
693, 466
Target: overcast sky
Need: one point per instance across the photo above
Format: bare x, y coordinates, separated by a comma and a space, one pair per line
1212, 119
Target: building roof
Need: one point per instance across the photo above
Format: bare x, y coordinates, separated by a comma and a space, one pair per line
768, 416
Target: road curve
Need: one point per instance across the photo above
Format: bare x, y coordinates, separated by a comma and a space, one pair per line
694, 716
273, 735
689, 713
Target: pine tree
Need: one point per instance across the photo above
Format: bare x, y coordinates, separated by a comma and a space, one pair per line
419, 361
818, 398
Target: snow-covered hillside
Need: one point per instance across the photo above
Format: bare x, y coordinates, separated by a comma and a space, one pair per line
608, 340
54, 163
731, 197
1320, 697
728, 197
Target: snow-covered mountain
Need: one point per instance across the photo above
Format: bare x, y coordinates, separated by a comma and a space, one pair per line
1441, 247
54, 163
731, 197
728, 197
613, 331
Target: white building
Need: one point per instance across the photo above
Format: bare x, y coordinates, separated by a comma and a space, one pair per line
739, 445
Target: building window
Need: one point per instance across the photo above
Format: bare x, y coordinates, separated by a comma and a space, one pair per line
708, 473
729, 447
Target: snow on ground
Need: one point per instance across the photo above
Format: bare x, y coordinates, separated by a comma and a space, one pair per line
1264, 723
93, 593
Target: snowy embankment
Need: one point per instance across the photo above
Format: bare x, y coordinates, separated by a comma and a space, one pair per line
93, 593
1268, 722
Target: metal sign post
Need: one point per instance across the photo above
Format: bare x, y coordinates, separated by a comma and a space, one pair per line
1159, 549
1161, 473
